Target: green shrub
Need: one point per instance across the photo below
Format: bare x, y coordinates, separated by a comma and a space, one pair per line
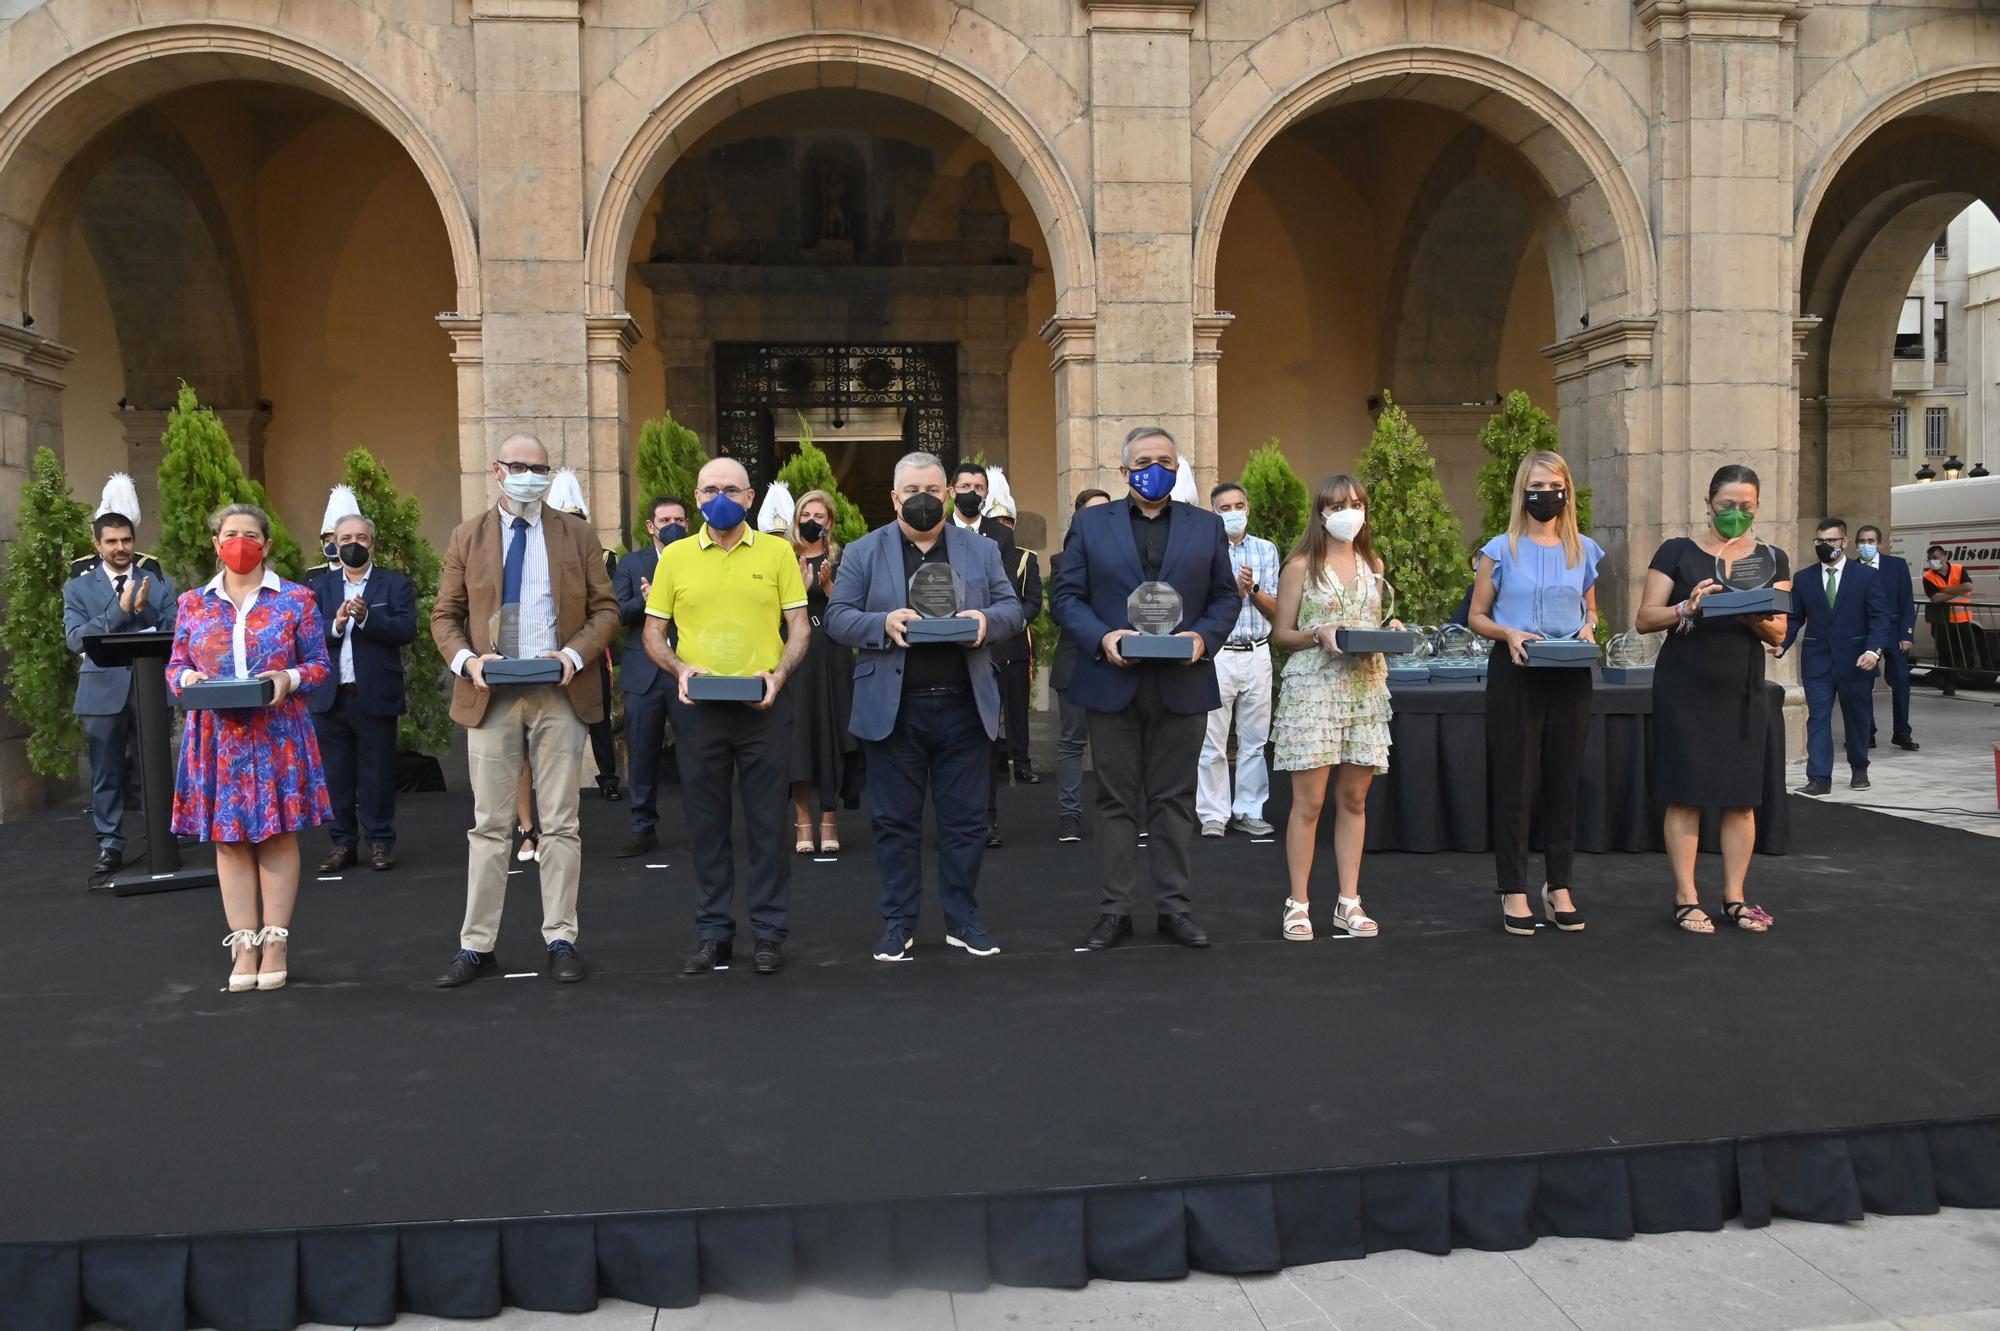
808, 470
399, 544
199, 473
1278, 497
1416, 533
1517, 429
41, 670
669, 459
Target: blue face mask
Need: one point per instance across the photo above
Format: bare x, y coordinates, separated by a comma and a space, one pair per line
1152, 483
671, 532
723, 513
1866, 550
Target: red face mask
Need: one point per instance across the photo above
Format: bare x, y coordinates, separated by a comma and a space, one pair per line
241, 554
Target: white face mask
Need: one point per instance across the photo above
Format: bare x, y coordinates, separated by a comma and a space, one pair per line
525, 488
1343, 524
1236, 522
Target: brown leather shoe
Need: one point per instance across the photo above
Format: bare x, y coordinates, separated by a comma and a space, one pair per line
342, 857
381, 857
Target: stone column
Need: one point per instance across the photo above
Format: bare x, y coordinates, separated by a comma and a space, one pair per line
528, 55
1205, 441
982, 399
1601, 377
1723, 94
1857, 478
606, 483
31, 384
1073, 342
469, 363
1142, 209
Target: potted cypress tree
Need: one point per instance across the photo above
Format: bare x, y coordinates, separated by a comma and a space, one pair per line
41, 670
399, 544
199, 473
668, 460
1416, 532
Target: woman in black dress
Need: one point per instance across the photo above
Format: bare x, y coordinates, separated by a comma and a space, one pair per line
1709, 729
825, 755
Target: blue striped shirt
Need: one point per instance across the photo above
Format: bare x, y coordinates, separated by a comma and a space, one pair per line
1262, 557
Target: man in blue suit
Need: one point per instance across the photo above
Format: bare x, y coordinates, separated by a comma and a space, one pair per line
927, 713
1845, 616
116, 591
1901, 594
652, 696
370, 613
1147, 718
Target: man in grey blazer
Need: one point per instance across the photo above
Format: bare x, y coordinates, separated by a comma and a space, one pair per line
116, 591
928, 713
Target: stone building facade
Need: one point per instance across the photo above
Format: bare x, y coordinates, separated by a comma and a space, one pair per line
1687, 226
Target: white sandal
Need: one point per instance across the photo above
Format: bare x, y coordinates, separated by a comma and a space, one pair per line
239, 941
274, 933
1347, 913
1298, 922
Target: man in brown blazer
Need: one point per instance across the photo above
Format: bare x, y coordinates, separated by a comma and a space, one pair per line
546, 569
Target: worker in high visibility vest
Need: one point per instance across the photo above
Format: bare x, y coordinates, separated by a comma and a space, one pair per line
1949, 592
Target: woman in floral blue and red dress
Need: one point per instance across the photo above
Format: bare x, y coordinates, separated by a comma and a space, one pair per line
250, 777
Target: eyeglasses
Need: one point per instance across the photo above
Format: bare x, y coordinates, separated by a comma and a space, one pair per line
736, 492
518, 468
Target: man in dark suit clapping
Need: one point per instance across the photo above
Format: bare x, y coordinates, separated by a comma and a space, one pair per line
652, 696
1147, 718
370, 613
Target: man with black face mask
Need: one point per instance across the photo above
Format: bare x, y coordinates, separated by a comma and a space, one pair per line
1845, 618
652, 697
370, 614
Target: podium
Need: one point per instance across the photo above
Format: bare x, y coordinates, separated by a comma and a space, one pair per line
147, 654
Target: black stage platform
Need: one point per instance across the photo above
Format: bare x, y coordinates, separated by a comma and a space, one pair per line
1040, 1117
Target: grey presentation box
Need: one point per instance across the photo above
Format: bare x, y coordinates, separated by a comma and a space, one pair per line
1156, 647
1409, 674
1760, 601
1389, 642
726, 688
210, 695
1568, 652
933, 631
1628, 675
1473, 671
524, 670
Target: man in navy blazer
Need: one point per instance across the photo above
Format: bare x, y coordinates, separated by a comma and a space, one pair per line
1900, 592
370, 613
652, 696
1147, 718
1841, 607
927, 713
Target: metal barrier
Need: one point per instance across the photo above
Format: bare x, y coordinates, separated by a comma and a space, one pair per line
1969, 652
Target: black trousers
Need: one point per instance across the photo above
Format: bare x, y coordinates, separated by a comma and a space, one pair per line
603, 749
938, 746
359, 754
1146, 758
735, 740
647, 716
1537, 724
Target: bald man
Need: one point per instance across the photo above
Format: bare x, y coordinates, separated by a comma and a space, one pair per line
522, 580
739, 606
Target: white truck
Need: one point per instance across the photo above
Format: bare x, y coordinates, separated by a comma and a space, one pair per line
1963, 516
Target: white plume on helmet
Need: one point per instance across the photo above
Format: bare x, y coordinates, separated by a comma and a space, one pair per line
120, 496
566, 493
340, 503
1184, 487
776, 514
999, 494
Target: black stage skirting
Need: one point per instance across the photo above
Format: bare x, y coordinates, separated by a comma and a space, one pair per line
1434, 796
360, 1144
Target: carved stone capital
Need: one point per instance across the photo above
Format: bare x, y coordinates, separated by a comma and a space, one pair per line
1208, 331
467, 338
1737, 20
607, 337
1071, 338
1142, 15
1623, 342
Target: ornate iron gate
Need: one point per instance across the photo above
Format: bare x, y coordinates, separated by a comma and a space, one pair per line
756, 380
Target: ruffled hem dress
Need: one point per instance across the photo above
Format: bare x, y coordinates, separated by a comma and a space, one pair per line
1334, 709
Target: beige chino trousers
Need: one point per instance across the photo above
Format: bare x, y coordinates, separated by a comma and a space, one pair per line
540, 724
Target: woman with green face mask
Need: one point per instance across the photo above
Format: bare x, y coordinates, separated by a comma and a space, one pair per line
1709, 728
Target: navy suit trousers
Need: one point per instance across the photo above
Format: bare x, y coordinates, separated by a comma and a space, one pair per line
112, 742
359, 754
1856, 696
939, 743
647, 716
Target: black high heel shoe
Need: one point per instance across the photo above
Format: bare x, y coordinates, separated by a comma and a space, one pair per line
1569, 921
1521, 926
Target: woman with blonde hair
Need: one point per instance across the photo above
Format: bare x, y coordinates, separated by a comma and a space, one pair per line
250, 778
825, 755
1332, 720
1537, 719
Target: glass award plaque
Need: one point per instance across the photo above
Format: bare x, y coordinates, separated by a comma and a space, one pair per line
1457, 657
1629, 657
1413, 664
1560, 615
1380, 638
1747, 589
726, 647
937, 594
512, 668
1155, 610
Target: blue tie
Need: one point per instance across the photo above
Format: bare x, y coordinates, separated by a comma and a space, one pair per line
510, 576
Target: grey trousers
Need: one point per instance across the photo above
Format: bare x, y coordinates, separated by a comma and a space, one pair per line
113, 745
1146, 759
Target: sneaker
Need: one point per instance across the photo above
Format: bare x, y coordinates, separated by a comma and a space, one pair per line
1071, 829
975, 940
894, 945
1254, 826
1208, 829
1859, 781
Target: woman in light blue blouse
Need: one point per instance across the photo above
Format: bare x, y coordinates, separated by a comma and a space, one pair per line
1537, 719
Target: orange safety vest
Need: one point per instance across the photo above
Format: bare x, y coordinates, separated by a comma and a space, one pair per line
1955, 612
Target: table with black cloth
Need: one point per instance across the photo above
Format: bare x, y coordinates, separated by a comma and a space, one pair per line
1434, 796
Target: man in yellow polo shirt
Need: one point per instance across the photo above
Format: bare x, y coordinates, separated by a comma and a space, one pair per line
729, 592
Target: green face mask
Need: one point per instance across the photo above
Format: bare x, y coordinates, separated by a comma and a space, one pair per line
1733, 522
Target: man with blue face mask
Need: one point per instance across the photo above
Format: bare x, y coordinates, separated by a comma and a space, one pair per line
1147, 717
1901, 592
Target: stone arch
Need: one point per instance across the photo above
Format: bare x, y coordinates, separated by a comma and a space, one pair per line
1610, 271
69, 104
813, 60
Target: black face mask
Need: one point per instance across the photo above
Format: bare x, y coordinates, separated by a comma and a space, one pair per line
1827, 553
969, 502
669, 532
1545, 505
923, 511
810, 531
354, 554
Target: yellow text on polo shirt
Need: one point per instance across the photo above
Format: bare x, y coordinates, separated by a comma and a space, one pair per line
730, 603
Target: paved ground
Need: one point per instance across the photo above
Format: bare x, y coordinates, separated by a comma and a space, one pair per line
1952, 769
1913, 1273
